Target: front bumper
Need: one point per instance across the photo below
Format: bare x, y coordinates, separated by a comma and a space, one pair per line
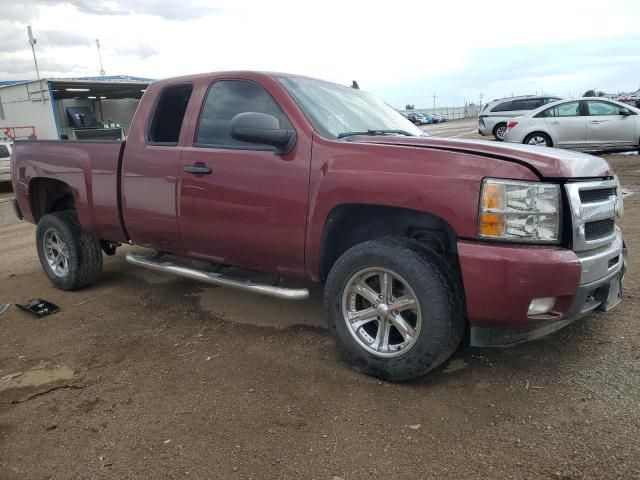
500, 281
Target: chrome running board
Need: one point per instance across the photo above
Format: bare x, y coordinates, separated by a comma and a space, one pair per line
217, 278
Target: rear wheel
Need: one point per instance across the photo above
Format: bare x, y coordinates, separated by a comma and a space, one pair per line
499, 131
71, 258
393, 309
538, 138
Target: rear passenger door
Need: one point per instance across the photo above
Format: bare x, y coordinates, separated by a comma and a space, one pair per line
566, 124
250, 210
605, 125
150, 170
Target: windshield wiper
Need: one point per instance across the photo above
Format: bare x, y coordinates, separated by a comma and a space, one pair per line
375, 132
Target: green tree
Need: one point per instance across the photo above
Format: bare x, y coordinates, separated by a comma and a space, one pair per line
409, 107
589, 93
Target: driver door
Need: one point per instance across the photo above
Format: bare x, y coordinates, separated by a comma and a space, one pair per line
241, 203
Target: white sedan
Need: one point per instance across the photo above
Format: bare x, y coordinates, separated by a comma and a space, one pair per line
584, 124
5, 153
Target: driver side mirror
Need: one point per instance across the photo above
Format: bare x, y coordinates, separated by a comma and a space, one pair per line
625, 112
262, 129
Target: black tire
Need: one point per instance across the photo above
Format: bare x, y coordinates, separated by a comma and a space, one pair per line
499, 130
547, 138
438, 296
83, 251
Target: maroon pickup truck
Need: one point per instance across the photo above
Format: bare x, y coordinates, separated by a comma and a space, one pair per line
417, 239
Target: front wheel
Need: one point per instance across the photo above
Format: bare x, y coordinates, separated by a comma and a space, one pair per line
394, 309
539, 139
70, 257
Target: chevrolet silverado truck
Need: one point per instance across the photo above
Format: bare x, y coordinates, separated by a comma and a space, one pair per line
419, 241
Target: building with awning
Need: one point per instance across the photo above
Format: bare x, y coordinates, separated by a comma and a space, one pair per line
70, 108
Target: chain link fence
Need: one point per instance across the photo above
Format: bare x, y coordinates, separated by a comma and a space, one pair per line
452, 113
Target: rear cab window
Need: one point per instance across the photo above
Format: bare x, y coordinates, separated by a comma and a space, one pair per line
168, 115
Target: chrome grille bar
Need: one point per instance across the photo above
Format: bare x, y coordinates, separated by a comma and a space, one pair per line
584, 213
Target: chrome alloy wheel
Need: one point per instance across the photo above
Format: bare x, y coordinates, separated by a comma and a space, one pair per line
538, 140
501, 131
56, 252
381, 312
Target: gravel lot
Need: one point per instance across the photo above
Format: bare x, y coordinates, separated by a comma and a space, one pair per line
149, 376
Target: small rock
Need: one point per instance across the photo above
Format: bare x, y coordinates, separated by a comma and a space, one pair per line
324, 435
414, 427
335, 477
166, 442
235, 469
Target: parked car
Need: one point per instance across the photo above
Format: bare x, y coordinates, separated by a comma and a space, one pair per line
437, 118
419, 119
495, 115
585, 123
5, 153
304, 178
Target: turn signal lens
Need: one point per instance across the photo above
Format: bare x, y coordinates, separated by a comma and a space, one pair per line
514, 210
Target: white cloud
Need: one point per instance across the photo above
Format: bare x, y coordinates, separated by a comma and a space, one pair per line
400, 50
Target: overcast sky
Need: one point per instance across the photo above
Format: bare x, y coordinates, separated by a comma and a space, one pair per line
404, 51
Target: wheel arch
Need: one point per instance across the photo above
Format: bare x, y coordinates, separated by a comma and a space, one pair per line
48, 195
353, 223
539, 131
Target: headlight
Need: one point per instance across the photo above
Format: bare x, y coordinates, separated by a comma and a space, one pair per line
525, 211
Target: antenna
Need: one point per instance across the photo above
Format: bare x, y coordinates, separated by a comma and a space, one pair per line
32, 42
102, 72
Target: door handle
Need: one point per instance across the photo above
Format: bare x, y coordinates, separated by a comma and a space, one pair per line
198, 169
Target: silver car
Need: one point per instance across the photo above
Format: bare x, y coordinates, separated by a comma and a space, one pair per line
5, 153
495, 115
583, 124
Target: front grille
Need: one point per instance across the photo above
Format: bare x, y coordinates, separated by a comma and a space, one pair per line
598, 229
599, 195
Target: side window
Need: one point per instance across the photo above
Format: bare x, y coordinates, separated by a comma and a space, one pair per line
602, 108
168, 115
226, 99
502, 107
526, 104
4, 151
571, 109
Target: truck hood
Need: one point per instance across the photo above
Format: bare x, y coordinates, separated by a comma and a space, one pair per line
545, 162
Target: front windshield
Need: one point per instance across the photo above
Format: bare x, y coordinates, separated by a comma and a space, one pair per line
335, 110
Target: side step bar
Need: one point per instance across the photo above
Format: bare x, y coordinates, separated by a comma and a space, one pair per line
217, 278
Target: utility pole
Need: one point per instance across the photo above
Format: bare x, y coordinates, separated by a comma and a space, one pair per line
102, 72
32, 42
434, 99
480, 105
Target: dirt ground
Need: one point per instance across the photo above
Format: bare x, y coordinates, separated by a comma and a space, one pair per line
148, 376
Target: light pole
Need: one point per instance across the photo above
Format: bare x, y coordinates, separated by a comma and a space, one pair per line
102, 72
32, 42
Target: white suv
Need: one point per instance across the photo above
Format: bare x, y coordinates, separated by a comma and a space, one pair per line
5, 153
495, 115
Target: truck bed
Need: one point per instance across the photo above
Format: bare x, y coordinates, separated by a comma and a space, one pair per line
89, 168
